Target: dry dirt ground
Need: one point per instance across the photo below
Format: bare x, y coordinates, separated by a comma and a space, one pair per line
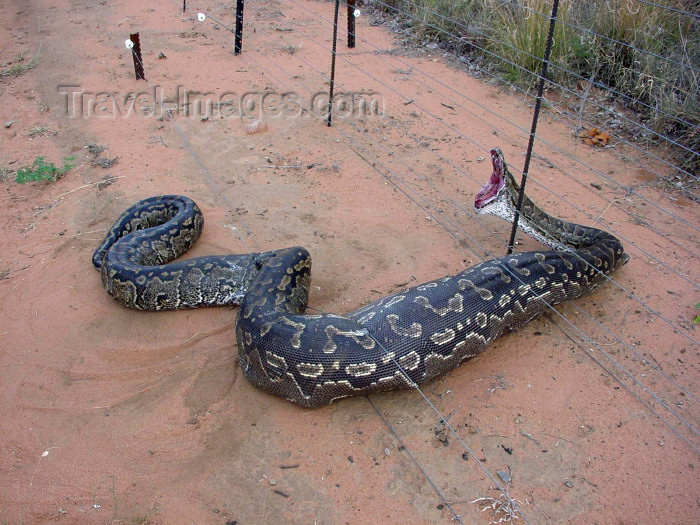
114, 416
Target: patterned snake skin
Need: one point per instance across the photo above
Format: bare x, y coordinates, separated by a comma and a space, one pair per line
399, 341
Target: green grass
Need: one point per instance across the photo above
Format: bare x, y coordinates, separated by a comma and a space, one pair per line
38, 131
18, 66
633, 48
40, 170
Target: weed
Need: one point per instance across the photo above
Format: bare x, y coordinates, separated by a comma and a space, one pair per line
39, 131
42, 170
697, 317
95, 149
18, 66
291, 48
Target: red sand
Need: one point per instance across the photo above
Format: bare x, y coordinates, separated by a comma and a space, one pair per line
114, 416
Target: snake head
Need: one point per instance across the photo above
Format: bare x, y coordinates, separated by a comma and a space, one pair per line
495, 184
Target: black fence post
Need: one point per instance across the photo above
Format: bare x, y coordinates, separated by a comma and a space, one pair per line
535, 117
351, 23
239, 28
335, 46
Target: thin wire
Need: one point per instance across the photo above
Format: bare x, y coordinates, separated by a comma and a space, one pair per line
554, 147
584, 336
415, 461
456, 130
221, 6
564, 111
563, 88
136, 57
604, 37
219, 195
395, 177
648, 406
221, 24
670, 323
609, 278
670, 8
539, 59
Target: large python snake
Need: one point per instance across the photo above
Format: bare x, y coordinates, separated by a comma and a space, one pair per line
399, 341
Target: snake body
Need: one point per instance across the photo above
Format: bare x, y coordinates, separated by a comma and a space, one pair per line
398, 341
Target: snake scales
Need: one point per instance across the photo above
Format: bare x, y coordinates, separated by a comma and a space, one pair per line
398, 341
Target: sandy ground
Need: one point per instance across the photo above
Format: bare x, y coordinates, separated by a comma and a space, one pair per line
114, 416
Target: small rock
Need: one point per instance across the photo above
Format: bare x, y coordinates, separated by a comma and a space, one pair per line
504, 476
161, 55
272, 481
569, 483
257, 126
9, 123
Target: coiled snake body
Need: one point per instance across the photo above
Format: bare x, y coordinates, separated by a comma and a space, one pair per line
398, 341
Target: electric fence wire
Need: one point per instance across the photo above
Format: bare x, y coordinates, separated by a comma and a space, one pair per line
670, 8
631, 376
561, 21
460, 234
634, 351
455, 515
598, 172
217, 192
394, 176
567, 173
563, 88
462, 135
215, 22
228, 207
485, 36
666, 376
656, 397
136, 58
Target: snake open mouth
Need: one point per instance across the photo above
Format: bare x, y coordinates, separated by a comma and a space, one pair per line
495, 183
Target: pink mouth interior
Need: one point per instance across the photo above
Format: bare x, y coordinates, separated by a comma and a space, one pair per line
494, 185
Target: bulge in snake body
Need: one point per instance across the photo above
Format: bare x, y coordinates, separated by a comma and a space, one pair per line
398, 341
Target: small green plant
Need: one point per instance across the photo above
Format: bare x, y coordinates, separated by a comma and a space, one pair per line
42, 170
697, 317
40, 131
18, 66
